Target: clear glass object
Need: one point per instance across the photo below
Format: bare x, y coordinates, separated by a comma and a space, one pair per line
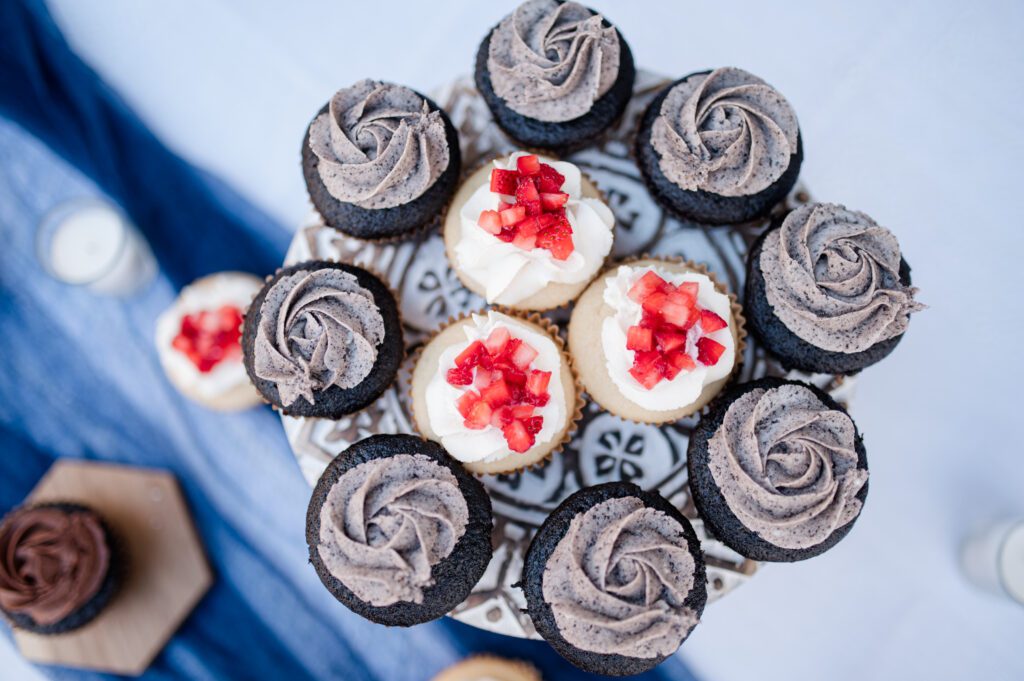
994, 559
89, 242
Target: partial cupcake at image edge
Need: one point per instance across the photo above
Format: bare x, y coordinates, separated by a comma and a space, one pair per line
489, 668
528, 232
198, 341
398, 531
614, 579
719, 147
497, 390
60, 566
655, 339
778, 470
828, 290
381, 161
322, 339
555, 75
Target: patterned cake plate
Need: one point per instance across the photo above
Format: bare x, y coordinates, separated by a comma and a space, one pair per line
605, 447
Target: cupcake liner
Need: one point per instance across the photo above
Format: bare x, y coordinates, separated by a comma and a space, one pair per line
473, 286
739, 321
550, 328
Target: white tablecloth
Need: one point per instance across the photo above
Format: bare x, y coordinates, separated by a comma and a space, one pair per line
910, 111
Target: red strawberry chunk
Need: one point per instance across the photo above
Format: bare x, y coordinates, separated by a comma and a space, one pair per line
528, 227
654, 302
497, 340
639, 338
490, 221
522, 411
513, 376
534, 424
692, 319
512, 215
689, 289
528, 165
523, 355
709, 351
646, 285
710, 322
181, 343
558, 240
553, 201
518, 438
537, 382
496, 394
484, 377
460, 376
507, 234
648, 368
675, 313
526, 190
669, 340
678, 361
550, 179
527, 242
479, 416
470, 357
466, 402
504, 181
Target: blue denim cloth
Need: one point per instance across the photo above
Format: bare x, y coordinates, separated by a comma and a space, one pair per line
79, 378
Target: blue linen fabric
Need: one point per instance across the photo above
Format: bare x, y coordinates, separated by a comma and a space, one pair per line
79, 377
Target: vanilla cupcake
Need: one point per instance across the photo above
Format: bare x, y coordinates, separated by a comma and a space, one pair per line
198, 340
496, 390
654, 340
489, 668
528, 232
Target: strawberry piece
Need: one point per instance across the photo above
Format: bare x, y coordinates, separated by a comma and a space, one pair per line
484, 377
514, 377
497, 340
639, 338
651, 320
506, 355
507, 234
692, 319
553, 201
648, 368
523, 355
709, 351
557, 240
528, 165
680, 361
550, 180
522, 411
501, 416
710, 322
470, 357
649, 283
654, 302
533, 424
518, 438
460, 376
504, 181
466, 403
537, 382
533, 208
528, 227
669, 340
479, 416
689, 289
527, 242
504, 205
512, 215
526, 191
675, 313
182, 343
490, 221
546, 220
496, 394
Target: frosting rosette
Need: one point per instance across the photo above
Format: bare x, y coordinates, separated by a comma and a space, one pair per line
832, 276
726, 132
379, 145
52, 562
317, 329
617, 581
386, 523
786, 465
551, 61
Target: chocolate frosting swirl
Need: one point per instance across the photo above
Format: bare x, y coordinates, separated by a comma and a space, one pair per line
726, 132
832, 276
52, 562
551, 61
387, 522
316, 329
378, 145
617, 581
786, 465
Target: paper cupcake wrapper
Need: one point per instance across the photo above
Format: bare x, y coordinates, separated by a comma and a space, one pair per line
548, 327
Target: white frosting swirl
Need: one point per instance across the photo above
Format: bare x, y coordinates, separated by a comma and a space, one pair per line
489, 443
510, 274
686, 387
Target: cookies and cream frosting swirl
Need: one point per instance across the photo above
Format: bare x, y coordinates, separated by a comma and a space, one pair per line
786, 464
832, 276
387, 522
726, 132
617, 581
379, 145
52, 562
551, 61
317, 329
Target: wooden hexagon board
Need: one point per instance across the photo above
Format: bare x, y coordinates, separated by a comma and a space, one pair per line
167, 570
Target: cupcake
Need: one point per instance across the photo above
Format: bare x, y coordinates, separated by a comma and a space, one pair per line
555, 75
654, 339
528, 232
380, 161
322, 339
398, 531
489, 668
59, 567
719, 147
496, 390
614, 579
198, 340
828, 290
778, 471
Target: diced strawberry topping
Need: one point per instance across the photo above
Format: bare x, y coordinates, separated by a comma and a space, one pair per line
496, 394
550, 180
479, 416
470, 357
460, 376
519, 439
669, 340
526, 190
504, 181
639, 338
497, 341
490, 221
466, 402
710, 322
528, 165
558, 240
553, 201
512, 215
209, 337
649, 283
536, 218
537, 382
709, 351
523, 355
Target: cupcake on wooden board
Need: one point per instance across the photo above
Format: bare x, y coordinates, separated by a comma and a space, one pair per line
489, 668
614, 579
380, 161
654, 340
59, 567
528, 232
398, 531
555, 75
198, 340
322, 339
828, 290
778, 470
719, 147
497, 391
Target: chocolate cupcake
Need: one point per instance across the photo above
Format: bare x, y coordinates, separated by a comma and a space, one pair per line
778, 470
322, 339
719, 147
555, 75
828, 290
398, 531
380, 161
59, 567
614, 579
